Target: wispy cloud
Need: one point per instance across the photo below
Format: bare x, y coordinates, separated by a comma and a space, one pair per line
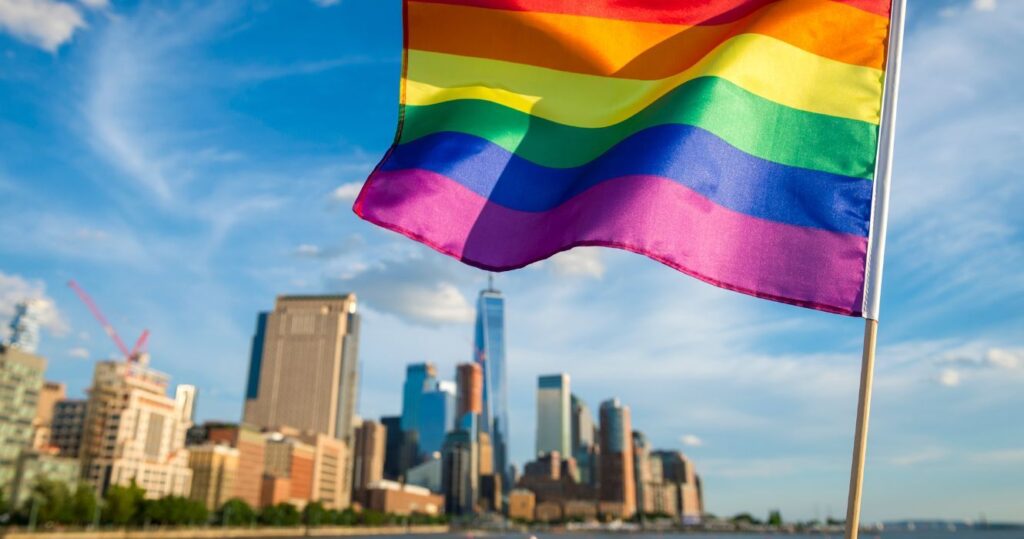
79, 353
43, 23
15, 289
579, 262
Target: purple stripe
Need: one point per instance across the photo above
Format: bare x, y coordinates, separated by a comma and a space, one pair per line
649, 215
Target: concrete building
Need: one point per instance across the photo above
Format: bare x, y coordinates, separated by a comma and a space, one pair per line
398, 499
553, 415
316, 467
521, 504
618, 483
368, 456
34, 465
21, 379
214, 468
303, 371
67, 426
679, 474
250, 444
469, 381
584, 440
42, 425
135, 432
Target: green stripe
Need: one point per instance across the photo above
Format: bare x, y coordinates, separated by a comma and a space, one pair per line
753, 124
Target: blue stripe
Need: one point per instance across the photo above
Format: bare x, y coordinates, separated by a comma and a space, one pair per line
685, 154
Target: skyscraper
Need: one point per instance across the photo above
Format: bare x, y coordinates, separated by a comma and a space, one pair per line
436, 416
368, 456
553, 414
584, 446
489, 352
21, 377
134, 431
392, 447
419, 378
303, 372
25, 325
618, 488
460, 473
470, 391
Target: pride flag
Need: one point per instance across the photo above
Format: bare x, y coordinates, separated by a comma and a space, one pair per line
733, 140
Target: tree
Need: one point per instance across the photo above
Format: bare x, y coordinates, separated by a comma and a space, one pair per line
314, 514
235, 512
123, 504
83, 506
775, 518
745, 518
282, 514
52, 500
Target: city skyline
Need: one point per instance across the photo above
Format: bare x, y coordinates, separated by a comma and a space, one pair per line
190, 224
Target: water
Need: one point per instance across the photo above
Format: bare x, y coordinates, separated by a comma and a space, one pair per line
924, 534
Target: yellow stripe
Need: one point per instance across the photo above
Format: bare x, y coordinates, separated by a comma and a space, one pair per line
762, 65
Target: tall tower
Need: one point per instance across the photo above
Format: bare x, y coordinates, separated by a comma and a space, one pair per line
553, 414
304, 368
584, 443
489, 352
618, 486
419, 378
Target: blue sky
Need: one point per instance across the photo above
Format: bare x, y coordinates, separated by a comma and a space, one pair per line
186, 162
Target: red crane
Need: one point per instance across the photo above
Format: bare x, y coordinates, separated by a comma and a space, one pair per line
129, 355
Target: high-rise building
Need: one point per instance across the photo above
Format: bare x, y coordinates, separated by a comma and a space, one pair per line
368, 454
306, 467
393, 447
21, 378
617, 488
584, 446
680, 473
419, 378
135, 432
250, 444
436, 417
67, 426
214, 468
303, 371
42, 425
28, 317
35, 465
460, 473
553, 414
489, 352
470, 391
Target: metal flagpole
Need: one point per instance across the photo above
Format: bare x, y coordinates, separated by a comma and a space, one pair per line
876, 256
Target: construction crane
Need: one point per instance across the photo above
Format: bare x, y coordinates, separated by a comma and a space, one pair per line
130, 356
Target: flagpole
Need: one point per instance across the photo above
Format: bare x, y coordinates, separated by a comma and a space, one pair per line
873, 267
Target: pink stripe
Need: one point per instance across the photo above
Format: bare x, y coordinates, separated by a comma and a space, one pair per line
644, 214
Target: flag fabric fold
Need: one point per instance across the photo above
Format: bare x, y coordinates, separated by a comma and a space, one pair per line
733, 140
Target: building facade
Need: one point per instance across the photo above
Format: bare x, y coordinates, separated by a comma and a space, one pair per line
67, 426
214, 469
469, 379
553, 414
584, 440
21, 379
460, 473
392, 447
42, 425
303, 370
135, 432
368, 456
489, 352
419, 378
436, 417
35, 465
618, 483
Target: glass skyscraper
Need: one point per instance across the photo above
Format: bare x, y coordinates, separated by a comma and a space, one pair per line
419, 378
436, 416
489, 352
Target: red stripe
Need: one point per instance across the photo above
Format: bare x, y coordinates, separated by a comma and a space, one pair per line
688, 12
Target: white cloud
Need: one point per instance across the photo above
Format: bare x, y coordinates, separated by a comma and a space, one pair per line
579, 262
691, 440
999, 456
43, 23
347, 192
78, 353
307, 250
326, 3
15, 289
984, 5
949, 377
926, 455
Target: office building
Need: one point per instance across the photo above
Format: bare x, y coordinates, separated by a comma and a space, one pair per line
489, 353
469, 379
398, 499
135, 432
618, 483
34, 465
426, 474
67, 426
250, 443
419, 378
680, 474
306, 467
368, 455
21, 379
553, 415
24, 326
584, 436
521, 505
214, 469
393, 447
436, 417
42, 425
460, 473
303, 371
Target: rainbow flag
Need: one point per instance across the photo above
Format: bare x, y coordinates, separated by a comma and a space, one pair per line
733, 140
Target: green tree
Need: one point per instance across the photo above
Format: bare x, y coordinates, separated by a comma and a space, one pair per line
52, 500
83, 506
282, 514
745, 518
122, 505
775, 518
314, 514
235, 512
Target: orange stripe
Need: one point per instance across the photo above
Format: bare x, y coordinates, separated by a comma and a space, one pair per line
640, 50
